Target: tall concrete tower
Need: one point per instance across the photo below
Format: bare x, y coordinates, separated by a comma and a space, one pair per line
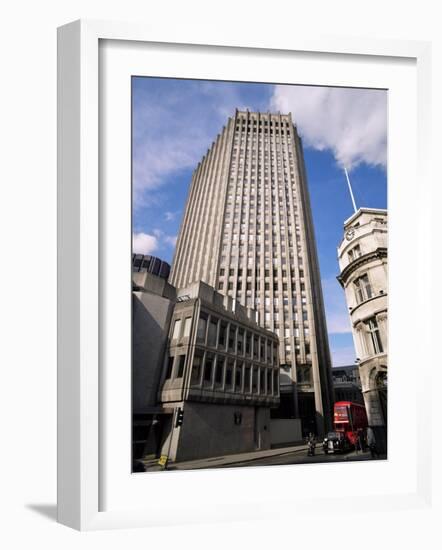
362, 257
247, 231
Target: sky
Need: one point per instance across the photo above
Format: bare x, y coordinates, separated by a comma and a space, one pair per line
174, 122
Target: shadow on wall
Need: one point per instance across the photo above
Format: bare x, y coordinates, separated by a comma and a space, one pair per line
151, 317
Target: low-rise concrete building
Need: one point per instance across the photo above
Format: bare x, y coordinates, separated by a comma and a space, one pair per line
363, 266
215, 370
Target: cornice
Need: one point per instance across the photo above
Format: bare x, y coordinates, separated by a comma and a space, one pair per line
377, 254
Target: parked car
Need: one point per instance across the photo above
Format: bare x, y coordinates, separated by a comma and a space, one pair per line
336, 442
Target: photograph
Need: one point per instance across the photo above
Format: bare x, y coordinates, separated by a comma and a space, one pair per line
259, 274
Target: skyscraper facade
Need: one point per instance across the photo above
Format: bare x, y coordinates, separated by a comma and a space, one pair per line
247, 231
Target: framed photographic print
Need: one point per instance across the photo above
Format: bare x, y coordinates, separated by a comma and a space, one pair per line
230, 280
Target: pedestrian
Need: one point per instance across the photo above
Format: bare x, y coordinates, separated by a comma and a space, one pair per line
311, 442
371, 440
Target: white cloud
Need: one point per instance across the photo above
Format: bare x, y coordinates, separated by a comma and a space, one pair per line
172, 131
352, 123
338, 319
162, 238
170, 216
171, 239
142, 243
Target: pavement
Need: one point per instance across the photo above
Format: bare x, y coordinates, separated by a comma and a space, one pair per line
294, 454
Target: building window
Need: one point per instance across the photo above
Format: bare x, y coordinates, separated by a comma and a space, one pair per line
240, 341
255, 347
222, 335
232, 331
262, 381
208, 367
181, 361
238, 373
248, 343
269, 351
219, 370
169, 367
303, 375
375, 336
247, 373
363, 289
196, 367
176, 329
269, 381
276, 382
187, 325
229, 373
255, 380
202, 326
354, 253
213, 326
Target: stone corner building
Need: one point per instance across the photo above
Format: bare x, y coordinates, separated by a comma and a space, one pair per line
363, 265
247, 231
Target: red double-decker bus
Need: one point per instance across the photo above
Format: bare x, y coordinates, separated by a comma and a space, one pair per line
351, 420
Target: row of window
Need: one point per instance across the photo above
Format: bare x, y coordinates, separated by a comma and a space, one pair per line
263, 175
264, 154
255, 233
278, 141
287, 314
227, 336
279, 166
253, 221
268, 261
247, 207
251, 199
262, 167
259, 248
256, 150
262, 122
181, 328
252, 233
216, 371
238, 272
267, 286
271, 188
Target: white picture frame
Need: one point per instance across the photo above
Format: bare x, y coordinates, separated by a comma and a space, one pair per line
81, 473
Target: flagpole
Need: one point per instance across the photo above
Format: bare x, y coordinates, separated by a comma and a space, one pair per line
350, 189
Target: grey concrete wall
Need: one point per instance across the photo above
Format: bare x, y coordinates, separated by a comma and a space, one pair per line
285, 430
209, 431
151, 318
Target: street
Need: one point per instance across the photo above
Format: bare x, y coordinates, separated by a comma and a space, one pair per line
300, 457
272, 457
